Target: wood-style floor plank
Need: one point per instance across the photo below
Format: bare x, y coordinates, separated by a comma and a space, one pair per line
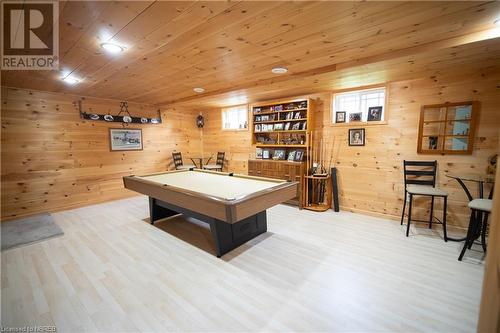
113, 271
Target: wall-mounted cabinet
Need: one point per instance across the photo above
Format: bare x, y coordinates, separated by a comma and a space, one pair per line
447, 128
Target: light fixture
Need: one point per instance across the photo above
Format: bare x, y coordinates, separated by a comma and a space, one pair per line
279, 70
112, 48
198, 90
497, 22
70, 80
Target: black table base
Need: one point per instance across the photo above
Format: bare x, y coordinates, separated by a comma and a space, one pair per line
226, 236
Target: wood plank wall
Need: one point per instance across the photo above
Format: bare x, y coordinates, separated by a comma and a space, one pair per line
53, 160
370, 177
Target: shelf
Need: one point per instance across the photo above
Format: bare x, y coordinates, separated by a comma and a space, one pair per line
271, 112
280, 145
444, 121
287, 131
279, 121
447, 135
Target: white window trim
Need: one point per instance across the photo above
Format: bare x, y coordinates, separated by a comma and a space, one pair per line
234, 129
362, 123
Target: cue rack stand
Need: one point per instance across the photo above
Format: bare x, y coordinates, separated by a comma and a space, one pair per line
317, 192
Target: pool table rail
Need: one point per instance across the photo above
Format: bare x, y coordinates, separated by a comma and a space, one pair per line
224, 209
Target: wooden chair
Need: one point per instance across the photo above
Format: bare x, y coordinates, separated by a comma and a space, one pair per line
478, 223
178, 162
420, 179
219, 163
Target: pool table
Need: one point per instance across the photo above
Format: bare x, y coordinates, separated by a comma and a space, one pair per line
233, 205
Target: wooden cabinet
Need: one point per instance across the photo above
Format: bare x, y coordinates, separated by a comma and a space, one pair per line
286, 170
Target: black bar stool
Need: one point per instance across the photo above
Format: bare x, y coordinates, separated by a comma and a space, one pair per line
480, 209
420, 179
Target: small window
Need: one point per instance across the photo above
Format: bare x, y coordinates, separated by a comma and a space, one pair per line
356, 106
235, 118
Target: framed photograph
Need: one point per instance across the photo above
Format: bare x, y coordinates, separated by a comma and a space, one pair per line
257, 118
375, 113
121, 139
356, 137
279, 154
258, 128
353, 117
266, 154
299, 156
291, 156
258, 152
340, 117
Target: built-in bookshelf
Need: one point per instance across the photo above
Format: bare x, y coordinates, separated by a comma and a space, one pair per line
280, 129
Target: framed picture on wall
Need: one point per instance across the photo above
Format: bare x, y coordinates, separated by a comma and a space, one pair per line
340, 117
356, 137
375, 113
121, 139
353, 117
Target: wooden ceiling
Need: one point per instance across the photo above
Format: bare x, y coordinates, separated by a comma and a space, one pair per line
229, 48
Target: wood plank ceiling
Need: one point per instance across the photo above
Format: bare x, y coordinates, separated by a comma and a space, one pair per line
229, 48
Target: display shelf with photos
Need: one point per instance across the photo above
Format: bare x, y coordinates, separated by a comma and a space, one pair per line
447, 128
281, 124
280, 133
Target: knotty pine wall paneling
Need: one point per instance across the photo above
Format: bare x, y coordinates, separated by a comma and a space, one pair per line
53, 160
371, 177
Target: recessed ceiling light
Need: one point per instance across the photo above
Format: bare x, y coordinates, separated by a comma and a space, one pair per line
279, 70
497, 22
70, 80
198, 90
112, 48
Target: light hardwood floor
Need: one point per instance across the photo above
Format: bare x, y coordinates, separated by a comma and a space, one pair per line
112, 271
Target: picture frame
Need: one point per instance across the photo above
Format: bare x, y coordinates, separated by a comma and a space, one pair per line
266, 154
279, 154
340, 117
291, 156
258, 152
356, 116
356, 137
299, 156
124, 139
375, 113
257, 118
258, 127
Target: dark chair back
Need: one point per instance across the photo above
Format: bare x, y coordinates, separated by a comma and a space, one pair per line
177, 159
420, 172
220, 158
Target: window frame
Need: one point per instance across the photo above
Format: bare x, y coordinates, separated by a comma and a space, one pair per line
235, 129
358, 123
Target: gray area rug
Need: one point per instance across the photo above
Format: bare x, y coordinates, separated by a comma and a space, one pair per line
28, 230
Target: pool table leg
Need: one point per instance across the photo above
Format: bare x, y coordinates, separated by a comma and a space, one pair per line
157, 212
229, 236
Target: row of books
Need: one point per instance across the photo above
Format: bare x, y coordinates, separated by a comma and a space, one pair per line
280, 127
